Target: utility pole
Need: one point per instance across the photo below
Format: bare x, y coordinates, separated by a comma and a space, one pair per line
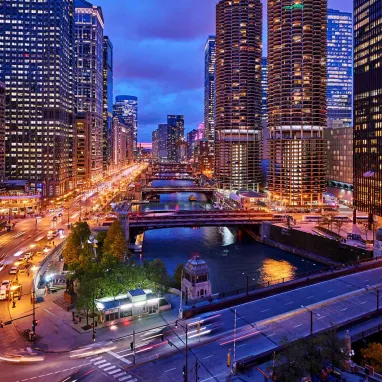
186, 352
196, 370
133, 347
234, 345
181, 297
311, 322
34, 311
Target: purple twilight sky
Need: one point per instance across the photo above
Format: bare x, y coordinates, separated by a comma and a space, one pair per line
159, 55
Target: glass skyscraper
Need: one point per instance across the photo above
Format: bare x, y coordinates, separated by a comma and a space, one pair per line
175, 137
339, 67
367, 141
126, 106
36, 66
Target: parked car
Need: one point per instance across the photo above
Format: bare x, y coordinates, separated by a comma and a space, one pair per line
13, 270
29, 255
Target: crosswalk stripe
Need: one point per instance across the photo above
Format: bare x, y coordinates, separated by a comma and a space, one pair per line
114, 371
95, 359
105, 364
124, 378
119, 375
99, 362
109, 368
119, 357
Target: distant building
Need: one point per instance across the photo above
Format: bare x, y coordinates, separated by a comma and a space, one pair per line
155, 144
107, 100
205, 158
191, 139
126, 106
238, 94
83, 128
175, 136
367, 177
36, 66
159, 143
340, 66
209, 91
89, 25
122, 144
2, 131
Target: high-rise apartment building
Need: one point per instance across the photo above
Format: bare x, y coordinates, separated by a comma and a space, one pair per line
107, 101
191, 139
339, 67
83, 142
120, 142
209, 91
264, 89
126, 106
297, 100
2, 131
159, 141
175, 137
155, 142
367, 140
36, 66
238, 94
89, 24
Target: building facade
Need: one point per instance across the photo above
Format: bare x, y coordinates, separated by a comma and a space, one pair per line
191, 139
238, 94
37, 70
89, 78
340, 156
367, 141
83, 136
2, 131
126, 106
205, 158
264, 89
122, 144
175, 137
340, 66
209, 91
107, 101
297, 100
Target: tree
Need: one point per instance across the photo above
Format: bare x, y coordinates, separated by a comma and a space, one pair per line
365, 228
338, 224
178, 275
72, 250
333, 347
115, 242
157, 274
373, 355
82, 229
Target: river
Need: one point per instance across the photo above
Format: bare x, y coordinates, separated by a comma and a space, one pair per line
229, 252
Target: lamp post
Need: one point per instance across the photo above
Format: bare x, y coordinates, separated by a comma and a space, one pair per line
247, 283
311, 317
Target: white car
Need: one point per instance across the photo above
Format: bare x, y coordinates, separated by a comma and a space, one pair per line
13, 270
7, 283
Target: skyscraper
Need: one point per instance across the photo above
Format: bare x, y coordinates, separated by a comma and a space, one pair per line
297, 100
89, 75
264, 89
367, 140
191, 138
36, 66
238, 94
175, 136
209, 91
340, 67
127, 107
107, 100
2, 131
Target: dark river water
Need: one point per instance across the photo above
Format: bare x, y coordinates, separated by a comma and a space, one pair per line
229, 252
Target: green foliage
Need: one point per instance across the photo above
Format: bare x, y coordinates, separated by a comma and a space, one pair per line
373, 355
115, 243
178, 276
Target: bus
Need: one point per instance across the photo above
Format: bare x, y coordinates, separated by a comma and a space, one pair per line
313, 218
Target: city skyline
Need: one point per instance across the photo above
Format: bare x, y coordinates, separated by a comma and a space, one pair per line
162, 87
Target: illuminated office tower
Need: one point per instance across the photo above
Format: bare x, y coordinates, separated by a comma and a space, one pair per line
175, 137
340, 67
297, 100
89, 77
367, 141
36, 66
238, 94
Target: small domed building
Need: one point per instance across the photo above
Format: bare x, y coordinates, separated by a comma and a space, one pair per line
196, 282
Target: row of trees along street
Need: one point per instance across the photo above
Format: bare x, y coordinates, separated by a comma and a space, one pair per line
101, 268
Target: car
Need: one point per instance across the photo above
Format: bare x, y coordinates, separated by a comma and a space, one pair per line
52, 210
17, 263
60, 215
14, 270
7, 283
2, 266
54, 218
39, 253
28, 255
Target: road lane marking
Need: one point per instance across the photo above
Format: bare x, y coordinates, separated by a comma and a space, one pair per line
297, 326
213, 377
310, 296
109, 368
266, 310
99, 362
105, 364
119, 357
119, 375
365, 281
331, 290
114, 371
363, 302
288, 303
343, 310
124, 378
96, 359
270, 335
319, 318
166, 371
238, 346
208, 357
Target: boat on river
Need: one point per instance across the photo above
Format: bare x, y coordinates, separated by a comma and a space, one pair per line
192, 198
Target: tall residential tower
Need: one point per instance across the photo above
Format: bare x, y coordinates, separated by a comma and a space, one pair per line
175, 137
297, 100
89, 76
36, 66
367, 140
209, 91
340, 67
238, 94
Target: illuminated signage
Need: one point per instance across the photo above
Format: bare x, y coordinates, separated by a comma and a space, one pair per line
294, 6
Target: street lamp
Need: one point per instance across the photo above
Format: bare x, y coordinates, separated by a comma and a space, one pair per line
311, 317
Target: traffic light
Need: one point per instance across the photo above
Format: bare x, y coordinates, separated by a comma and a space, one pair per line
162, 337
34, 323
229, 360
132, 346
176, 324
